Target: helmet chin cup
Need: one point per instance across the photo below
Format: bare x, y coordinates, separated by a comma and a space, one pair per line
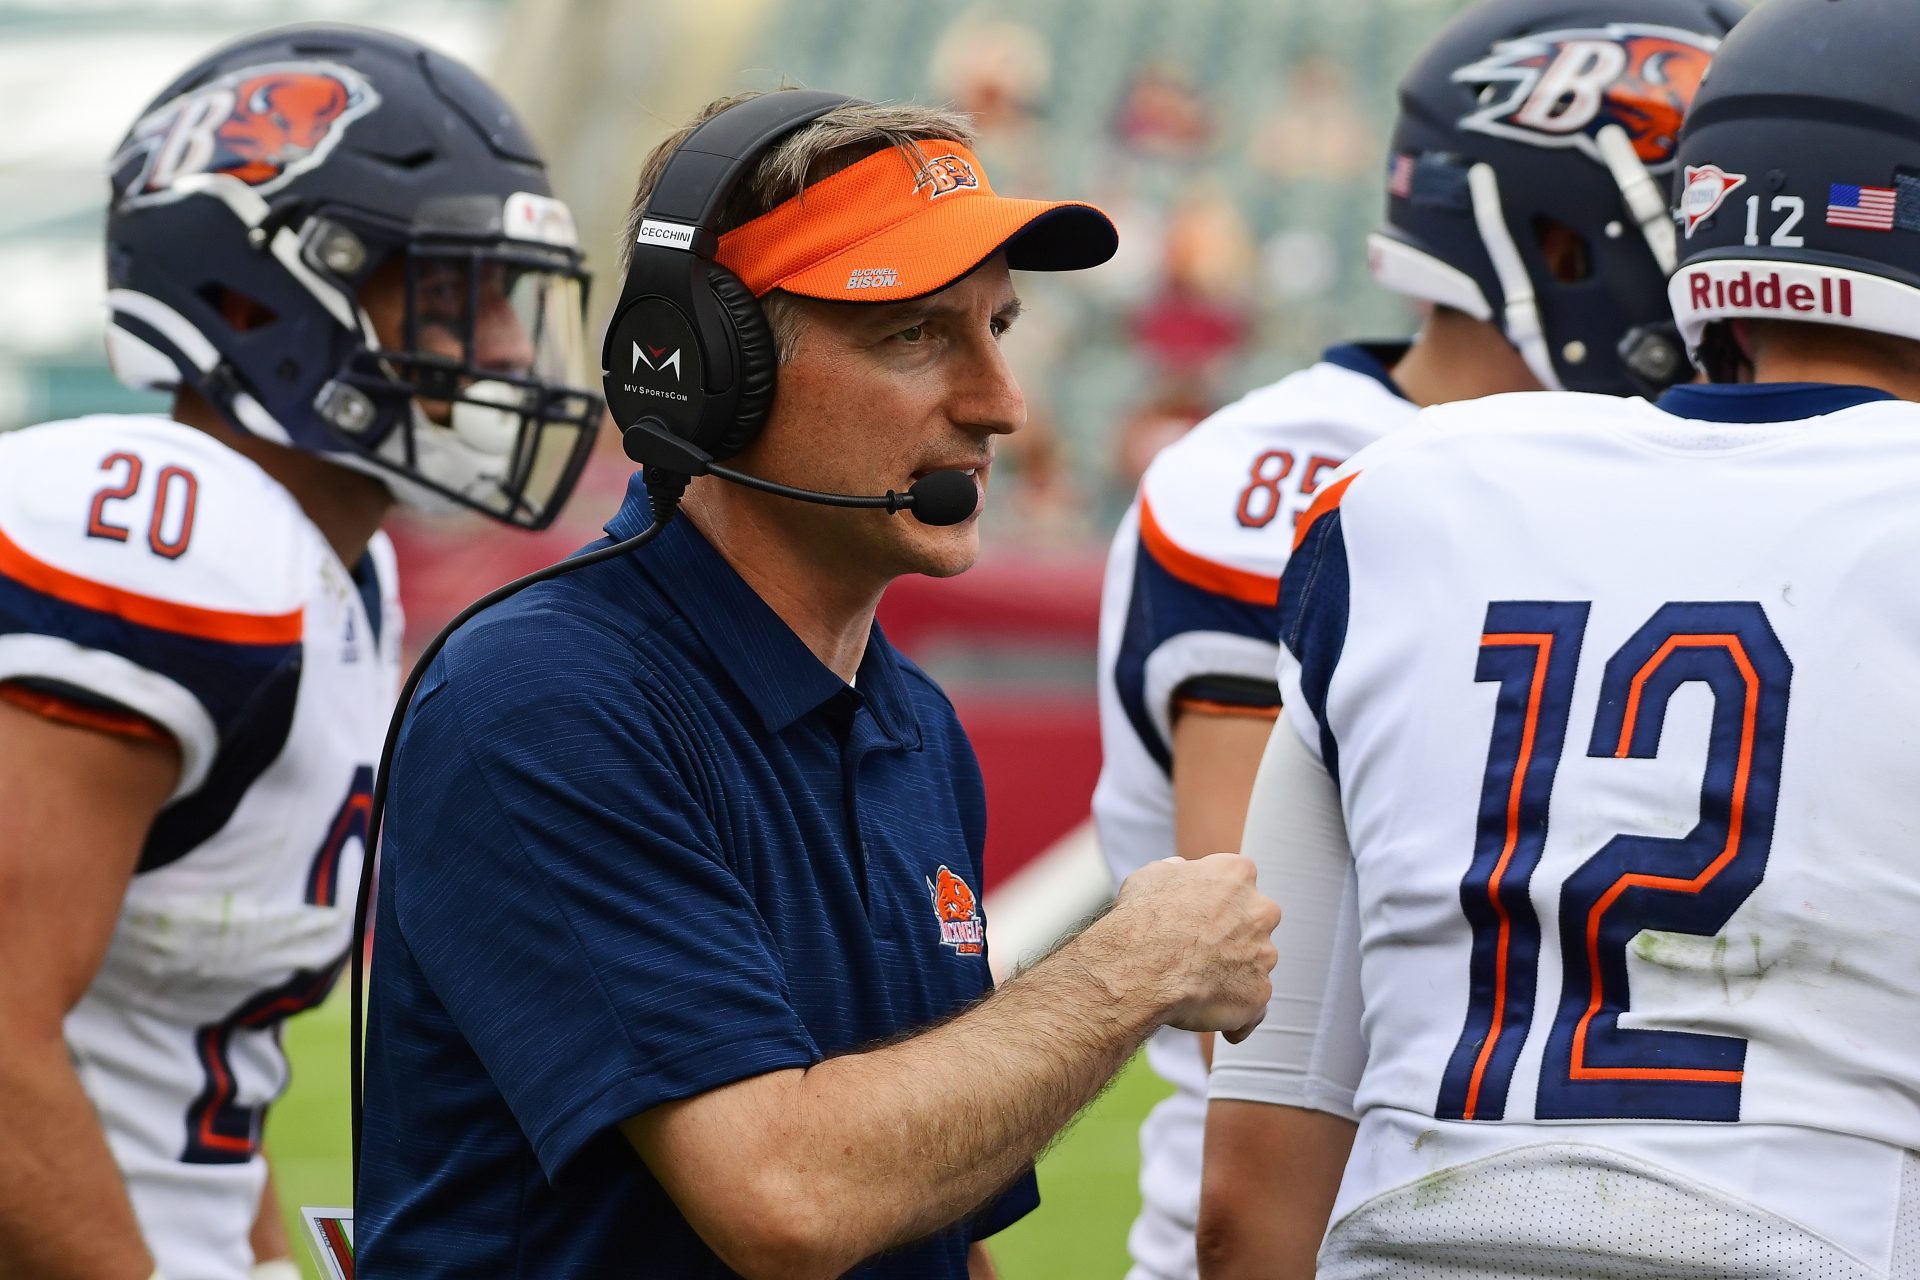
487, 418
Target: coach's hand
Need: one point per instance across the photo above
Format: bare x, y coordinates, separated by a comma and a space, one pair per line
1204, 933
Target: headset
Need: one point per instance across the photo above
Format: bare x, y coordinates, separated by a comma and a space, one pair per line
703, 403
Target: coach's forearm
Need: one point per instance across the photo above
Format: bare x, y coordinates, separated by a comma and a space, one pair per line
930, 1128
64, 1213
806, 1173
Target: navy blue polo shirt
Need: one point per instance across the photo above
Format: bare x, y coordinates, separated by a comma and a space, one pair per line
642, 844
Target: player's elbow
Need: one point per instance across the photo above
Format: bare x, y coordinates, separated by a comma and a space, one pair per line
782, 1230
1235, 1238
1219, 1242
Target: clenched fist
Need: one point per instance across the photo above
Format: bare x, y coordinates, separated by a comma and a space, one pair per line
1205, 934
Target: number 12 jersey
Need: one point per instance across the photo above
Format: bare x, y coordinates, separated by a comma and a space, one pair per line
1623, 708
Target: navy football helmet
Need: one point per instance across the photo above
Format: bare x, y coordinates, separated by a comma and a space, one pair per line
1800, 192
346, 243
1528, 181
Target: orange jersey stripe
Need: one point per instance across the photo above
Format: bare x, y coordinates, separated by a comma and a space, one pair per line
121, 724
1206, 706
1328, 500
1542, 645
1198, 571
148, 611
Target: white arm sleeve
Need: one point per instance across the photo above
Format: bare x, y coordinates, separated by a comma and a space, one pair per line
1309, 1051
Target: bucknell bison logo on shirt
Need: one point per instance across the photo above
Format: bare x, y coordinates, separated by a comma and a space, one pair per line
1561, 88
960, 924
262, 125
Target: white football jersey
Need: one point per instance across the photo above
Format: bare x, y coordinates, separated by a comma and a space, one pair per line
1188, 616
1622, 708
144, 566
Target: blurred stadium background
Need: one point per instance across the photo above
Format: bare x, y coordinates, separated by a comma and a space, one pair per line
1237, 143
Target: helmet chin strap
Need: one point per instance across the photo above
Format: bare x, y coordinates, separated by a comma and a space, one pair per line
1522, 318
1644, 198
470, 453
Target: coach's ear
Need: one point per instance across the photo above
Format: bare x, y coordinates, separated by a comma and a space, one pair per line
723, 1158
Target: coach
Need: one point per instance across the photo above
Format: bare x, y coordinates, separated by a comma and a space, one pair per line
680, 958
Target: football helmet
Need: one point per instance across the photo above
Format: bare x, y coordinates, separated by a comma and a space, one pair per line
1800, 181
1529, 176
346, 243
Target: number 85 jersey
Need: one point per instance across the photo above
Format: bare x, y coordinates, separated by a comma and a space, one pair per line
154, 581
1621, 704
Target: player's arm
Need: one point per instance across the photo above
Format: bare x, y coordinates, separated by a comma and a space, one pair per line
78, 803
802, 1173
1279, 1119
980, 1263
269, 1235
1217, 742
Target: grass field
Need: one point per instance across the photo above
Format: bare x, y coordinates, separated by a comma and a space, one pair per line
1087, 1182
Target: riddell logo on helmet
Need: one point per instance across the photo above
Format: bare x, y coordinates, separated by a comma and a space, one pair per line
953, 903
1564, 87
261, 125
1768, 292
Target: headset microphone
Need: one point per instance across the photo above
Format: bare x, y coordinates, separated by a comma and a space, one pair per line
938, 498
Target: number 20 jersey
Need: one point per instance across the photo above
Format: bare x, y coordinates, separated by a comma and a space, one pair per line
147, 568
1624, 709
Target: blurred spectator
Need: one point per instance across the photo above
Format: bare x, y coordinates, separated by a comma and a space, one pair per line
1201, 315
1165, 414
1162, 115
1315, 131
998, 71
995, 69
1038, 502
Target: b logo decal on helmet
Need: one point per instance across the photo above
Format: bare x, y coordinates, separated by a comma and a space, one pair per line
262, 125
1564, 87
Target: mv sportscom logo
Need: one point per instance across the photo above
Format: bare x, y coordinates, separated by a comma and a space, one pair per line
652, 357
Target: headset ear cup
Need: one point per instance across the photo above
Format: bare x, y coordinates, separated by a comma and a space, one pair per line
758, 361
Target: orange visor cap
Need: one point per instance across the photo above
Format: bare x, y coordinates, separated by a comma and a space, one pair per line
886, 229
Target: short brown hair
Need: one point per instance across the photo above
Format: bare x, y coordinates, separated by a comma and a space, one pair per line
838, 139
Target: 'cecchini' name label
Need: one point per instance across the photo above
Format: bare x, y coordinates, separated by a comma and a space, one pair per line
673, 235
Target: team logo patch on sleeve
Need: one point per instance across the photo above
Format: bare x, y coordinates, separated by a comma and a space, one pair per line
1561, 88
262, 125
958, 913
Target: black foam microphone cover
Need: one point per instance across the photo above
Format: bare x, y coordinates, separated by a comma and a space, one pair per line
943, 497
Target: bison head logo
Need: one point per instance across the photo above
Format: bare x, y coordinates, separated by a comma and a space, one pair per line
262, 126
952, 900
1561, 88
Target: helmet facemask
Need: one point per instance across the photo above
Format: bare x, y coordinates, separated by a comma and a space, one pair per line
477, 395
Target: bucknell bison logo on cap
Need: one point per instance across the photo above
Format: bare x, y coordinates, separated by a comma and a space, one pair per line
262, 125
945, 175
1561, 88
